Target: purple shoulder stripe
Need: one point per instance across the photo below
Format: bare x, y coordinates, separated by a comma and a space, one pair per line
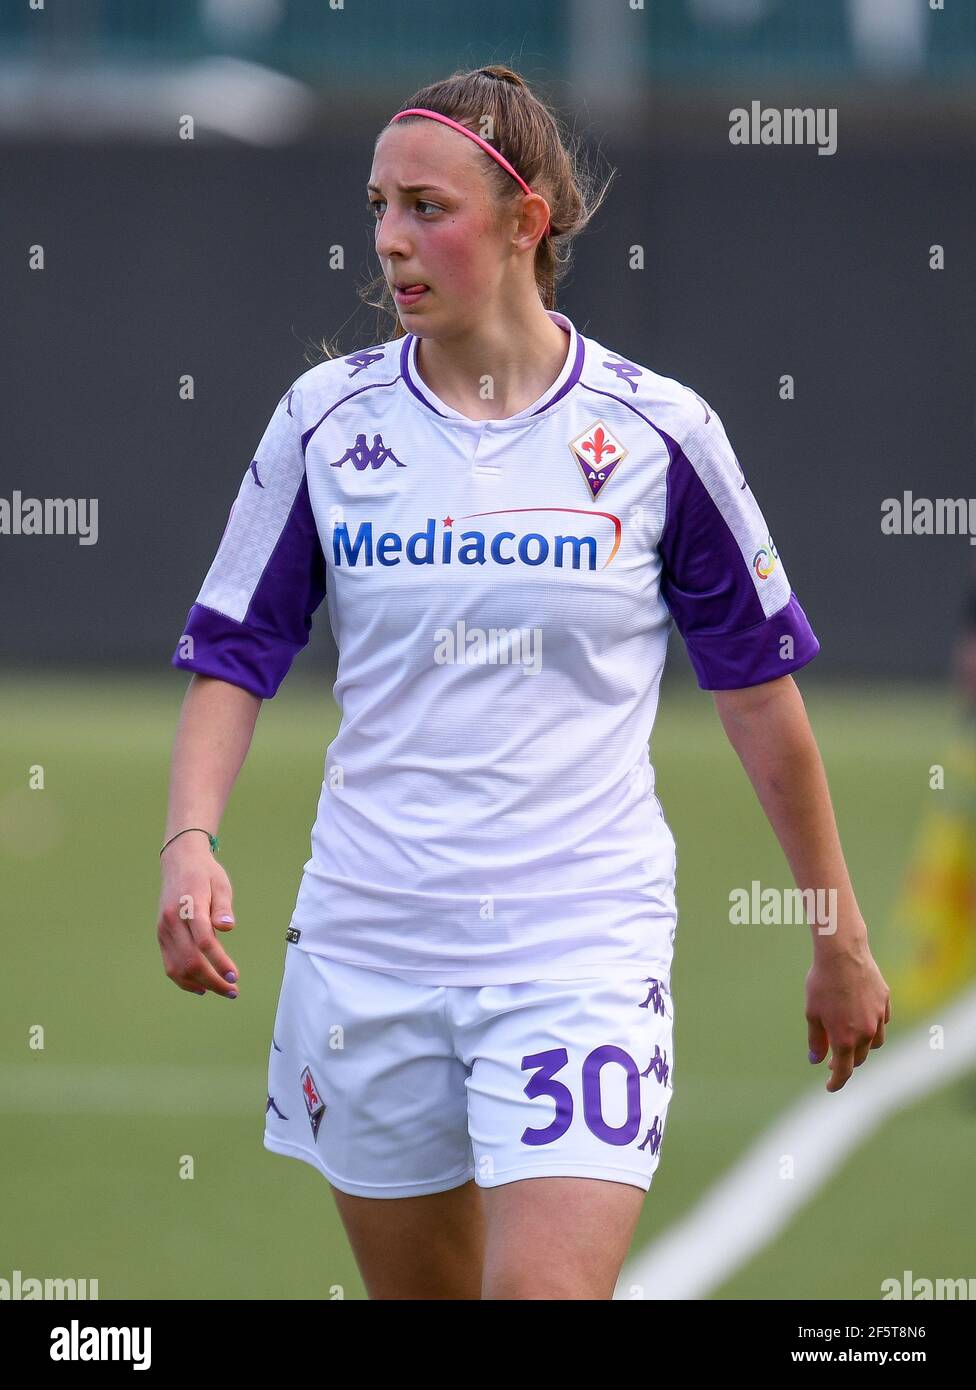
257, 652
708, 588
734, 660
245, 656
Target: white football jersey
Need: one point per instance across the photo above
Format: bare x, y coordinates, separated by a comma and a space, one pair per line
501, 594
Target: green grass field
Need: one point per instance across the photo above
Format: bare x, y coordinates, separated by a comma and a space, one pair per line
135, 1075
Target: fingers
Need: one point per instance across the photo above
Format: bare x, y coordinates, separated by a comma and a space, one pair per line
846, 1058
816, 1040
185, 963
851, 1027
841, 1065
194, 958
221, 919
221, 907
201, 976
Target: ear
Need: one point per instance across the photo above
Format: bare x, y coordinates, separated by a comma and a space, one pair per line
533, 221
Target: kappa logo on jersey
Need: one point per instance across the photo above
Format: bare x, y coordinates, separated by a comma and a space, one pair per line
764, 560
598, 454
254, 470
314, 1103
475, 547
361, 456
625, 371
361, 360
708, 413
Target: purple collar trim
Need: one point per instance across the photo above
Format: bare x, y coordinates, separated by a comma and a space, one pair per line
564, 383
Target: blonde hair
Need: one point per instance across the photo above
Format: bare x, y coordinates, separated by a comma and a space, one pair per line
528, 134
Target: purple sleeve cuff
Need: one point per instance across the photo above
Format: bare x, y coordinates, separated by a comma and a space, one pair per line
734, 660
247, 656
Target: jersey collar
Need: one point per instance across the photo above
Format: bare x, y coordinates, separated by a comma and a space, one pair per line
565, 381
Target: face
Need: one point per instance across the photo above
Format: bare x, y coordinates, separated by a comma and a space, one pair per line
435, 225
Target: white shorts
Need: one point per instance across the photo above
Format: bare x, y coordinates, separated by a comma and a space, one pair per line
397, 1089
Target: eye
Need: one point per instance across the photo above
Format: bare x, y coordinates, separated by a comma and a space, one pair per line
373, 203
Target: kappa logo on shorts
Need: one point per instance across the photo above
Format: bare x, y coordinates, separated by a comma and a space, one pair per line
658, 1065
598, 454
314, 1103
652, 1139
654, 999
292, 934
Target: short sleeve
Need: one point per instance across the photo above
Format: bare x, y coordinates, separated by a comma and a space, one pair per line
722, 578
253, 613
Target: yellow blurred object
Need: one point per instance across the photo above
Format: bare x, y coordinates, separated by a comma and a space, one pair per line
934, 922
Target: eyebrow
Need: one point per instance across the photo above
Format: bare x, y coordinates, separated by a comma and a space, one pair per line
409, 188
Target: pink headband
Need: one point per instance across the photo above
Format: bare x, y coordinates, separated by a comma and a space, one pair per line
489, 149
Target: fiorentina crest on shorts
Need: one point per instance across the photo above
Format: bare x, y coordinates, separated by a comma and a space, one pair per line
314, 1103
598, 453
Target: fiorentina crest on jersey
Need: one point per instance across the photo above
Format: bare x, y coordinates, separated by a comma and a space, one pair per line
598, 453
314, 1103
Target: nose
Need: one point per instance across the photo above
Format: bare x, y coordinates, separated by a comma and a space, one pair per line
391, 235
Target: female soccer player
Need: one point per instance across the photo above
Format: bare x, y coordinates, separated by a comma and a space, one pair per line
473, 1040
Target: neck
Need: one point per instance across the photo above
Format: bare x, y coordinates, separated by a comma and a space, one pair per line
497, 368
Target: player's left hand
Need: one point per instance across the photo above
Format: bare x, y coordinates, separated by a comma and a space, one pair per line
847, 1007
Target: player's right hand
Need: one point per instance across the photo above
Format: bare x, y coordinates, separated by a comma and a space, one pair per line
194, 904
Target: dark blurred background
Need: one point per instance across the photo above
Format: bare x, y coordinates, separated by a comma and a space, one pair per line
210, 256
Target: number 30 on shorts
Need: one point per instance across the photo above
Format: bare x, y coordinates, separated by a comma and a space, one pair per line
544, 1083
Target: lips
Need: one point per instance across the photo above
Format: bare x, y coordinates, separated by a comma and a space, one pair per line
410, 296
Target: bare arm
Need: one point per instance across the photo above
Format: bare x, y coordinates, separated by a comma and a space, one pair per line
767, 726
847, 998
212, 739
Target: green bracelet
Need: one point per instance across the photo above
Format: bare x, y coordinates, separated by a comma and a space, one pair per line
214, 842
